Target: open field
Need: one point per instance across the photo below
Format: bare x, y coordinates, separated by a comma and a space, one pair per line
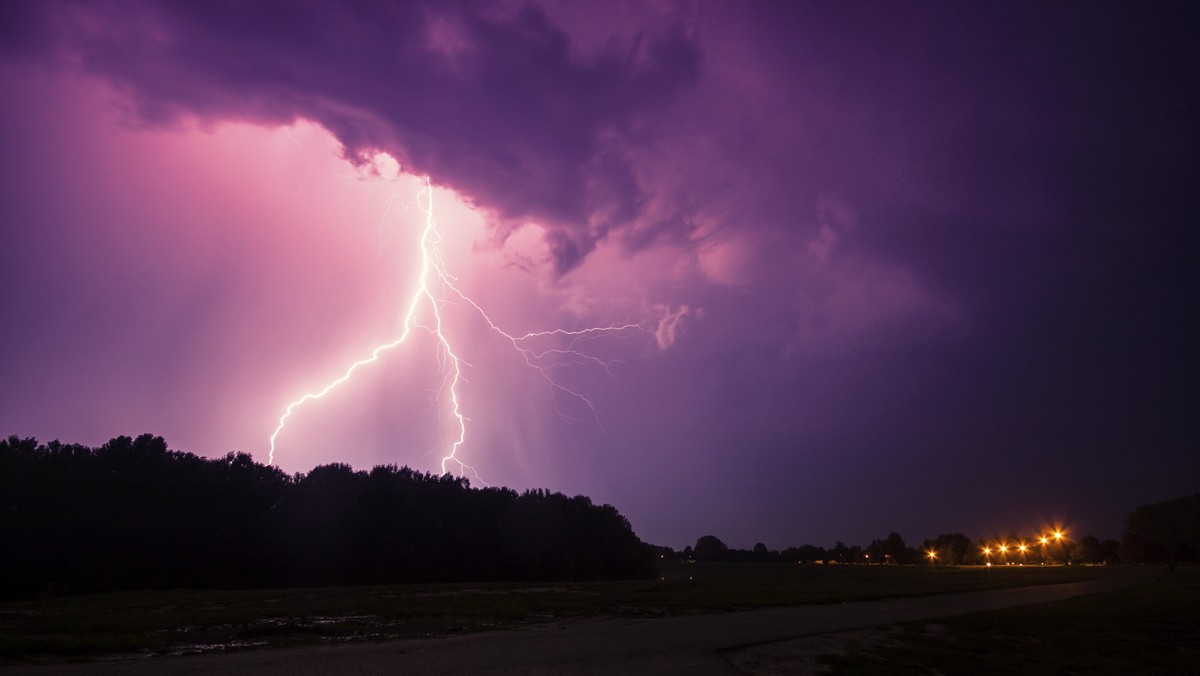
183, 621
1153, 628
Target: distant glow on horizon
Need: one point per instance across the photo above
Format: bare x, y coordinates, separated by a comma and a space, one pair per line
435, 287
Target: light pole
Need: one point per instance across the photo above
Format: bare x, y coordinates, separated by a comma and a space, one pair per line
1060, 540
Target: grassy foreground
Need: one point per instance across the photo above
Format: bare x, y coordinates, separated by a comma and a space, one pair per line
1153, 628
178, 622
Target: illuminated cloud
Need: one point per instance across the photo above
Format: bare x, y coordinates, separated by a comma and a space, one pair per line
492, 101
668, 326
859, 240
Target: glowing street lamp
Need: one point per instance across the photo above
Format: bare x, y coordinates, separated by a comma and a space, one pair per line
932, 556
1057, 537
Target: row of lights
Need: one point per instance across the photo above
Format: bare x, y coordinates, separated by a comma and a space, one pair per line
1003, 548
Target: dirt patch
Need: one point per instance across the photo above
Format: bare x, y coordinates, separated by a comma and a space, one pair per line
809, 654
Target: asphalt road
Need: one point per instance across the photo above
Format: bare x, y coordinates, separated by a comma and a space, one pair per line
690, 644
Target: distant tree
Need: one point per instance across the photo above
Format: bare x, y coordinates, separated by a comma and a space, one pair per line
811, 553
873, 553
840, 552
761, 554
1111, 549
688, 554
1136, 549
1086, 550
855, 554
132, 514
890, 550
1162, 532
952, 548
710, 548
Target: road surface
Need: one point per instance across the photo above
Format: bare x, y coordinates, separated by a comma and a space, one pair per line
690, 644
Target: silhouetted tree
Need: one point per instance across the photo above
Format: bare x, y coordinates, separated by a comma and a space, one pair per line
855, 555
1162, 532
840, 553
710, 548
1111, 550
811, 553
1086, 549
952, 548
890, 550
133, 514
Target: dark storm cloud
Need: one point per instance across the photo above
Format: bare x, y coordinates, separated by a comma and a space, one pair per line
491, 102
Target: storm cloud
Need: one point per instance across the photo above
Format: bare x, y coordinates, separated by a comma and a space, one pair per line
880, 250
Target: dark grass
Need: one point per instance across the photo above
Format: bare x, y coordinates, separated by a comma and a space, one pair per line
185, 621
1148, 629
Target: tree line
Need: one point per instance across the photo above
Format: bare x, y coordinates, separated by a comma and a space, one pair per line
1164, 532
947, 549
133, 514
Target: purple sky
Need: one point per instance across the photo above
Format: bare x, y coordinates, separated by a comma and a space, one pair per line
895, 266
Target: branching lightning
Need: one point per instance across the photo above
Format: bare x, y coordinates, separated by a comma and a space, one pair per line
435, 289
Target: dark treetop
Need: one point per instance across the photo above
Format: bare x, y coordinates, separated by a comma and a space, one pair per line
132, 514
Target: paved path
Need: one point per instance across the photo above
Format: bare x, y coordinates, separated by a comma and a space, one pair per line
637, 646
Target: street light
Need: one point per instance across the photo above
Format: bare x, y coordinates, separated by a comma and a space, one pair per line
932, 556
1059, 538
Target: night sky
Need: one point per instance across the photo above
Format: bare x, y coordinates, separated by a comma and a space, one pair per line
924, 267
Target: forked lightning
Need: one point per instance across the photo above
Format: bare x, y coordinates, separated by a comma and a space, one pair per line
434, 284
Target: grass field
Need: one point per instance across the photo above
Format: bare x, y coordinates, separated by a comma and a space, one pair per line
1152, 628
184, 621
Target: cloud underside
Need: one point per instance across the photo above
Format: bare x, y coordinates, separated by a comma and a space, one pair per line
492, 103
657, 135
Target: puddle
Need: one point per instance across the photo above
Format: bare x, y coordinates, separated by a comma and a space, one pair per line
499, 592
201, 648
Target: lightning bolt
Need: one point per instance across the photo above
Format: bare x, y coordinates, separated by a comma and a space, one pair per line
435, 289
